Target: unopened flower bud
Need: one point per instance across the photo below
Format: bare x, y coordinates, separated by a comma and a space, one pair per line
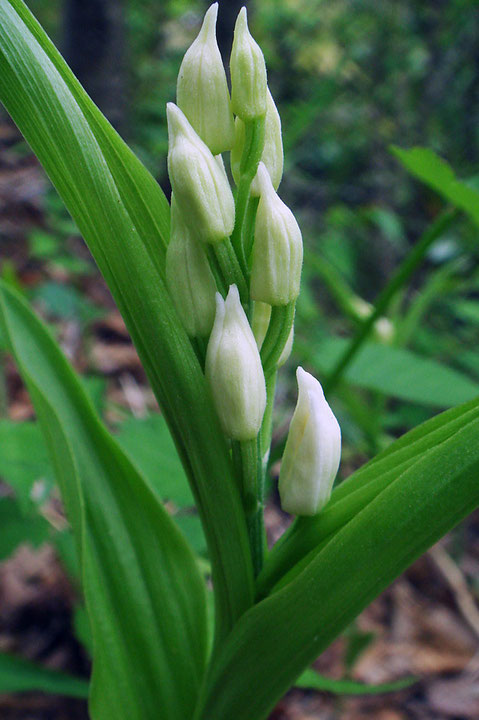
199, 182
189, 278
272, 155
248, 73
277, 249
312, 453
202, 89
234, 371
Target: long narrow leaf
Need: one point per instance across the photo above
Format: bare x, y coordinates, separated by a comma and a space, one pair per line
313, 680
122, 215
351, 496
274, 641
144, 593
19, 675
438, 175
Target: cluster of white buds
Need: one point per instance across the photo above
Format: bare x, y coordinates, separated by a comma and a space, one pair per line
213, 248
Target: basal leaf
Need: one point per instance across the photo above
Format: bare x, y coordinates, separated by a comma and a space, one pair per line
144, 593
275, 640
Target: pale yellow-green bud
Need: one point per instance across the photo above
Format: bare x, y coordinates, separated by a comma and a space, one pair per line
199, 182
312, 453
202, 89
277, 249
272, 155
234, 371
189, 278
248, 73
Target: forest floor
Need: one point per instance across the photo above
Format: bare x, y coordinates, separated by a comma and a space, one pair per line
426, 625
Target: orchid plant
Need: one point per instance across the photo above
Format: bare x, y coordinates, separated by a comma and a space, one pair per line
207, 288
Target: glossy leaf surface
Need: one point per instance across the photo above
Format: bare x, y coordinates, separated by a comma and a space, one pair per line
144, 593
424, 497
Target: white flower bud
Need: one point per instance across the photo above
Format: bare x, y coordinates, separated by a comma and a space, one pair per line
234, 371
248, 73
277, 249
272, 155
199, 182
312, 453
202, 89
189, 278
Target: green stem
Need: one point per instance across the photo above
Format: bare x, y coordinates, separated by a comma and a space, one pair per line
200, 346
216, 269
249, 225
252, 151
247, 465
267, 426
280, 324
400, 277
231, 271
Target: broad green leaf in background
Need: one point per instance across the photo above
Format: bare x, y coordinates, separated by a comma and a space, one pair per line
467, 310
23, 458
396, 372
279, 637
124, 217
17, 528
435, 172
144, 594
149, 444
19, 675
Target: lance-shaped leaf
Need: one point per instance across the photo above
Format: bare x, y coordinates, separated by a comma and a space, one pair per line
123, 216
144, 593
274, 641
19, 675
307, 535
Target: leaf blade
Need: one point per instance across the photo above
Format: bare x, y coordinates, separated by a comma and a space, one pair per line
19, 675
144, 593
293, 625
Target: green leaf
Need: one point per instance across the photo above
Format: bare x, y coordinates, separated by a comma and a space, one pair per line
18, 468
308, 535
18, 528
438, 175
19, 675
149, 443
312, 680
124, 217
425, 495
66, 302
395, 372
145, 596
